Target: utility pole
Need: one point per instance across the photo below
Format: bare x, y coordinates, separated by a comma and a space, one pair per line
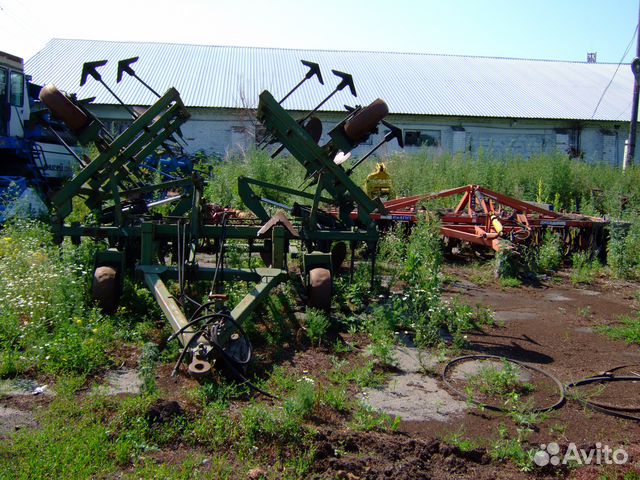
635, 68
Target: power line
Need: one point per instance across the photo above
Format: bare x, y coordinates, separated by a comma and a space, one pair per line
616, 71
625, 111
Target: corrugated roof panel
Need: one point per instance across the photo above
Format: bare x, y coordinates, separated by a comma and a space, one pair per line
421, 84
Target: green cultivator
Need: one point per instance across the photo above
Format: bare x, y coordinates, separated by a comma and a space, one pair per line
158, 229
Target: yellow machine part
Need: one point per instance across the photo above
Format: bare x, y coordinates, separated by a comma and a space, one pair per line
379, 184
497, 225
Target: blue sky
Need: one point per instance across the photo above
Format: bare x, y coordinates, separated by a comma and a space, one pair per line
544, 29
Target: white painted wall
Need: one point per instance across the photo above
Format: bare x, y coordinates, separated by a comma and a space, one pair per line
224, 132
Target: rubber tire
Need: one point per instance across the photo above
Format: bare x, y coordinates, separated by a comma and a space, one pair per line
105, 289
366, 120
314, 128
338, 255
320, 289
63, 109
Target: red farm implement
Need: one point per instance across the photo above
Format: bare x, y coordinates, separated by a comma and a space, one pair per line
487, 218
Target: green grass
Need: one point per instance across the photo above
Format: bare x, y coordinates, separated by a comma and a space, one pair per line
500, 381
459, 440
365, 419
510, 282
508, 448
46, 321
549, 254
317, 324
95, 436
628, 330
584, 269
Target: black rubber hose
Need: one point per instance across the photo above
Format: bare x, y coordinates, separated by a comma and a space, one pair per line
228, 358
182, 329
602, 408
466, 358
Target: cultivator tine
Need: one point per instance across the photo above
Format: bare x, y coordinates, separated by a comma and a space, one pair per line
346, 80
124, 66
314, 71
91, 68
393, 133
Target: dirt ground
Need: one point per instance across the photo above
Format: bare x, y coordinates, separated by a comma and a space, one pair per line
550, 325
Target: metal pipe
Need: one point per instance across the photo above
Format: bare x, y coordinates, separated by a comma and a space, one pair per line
635, 68
276, 204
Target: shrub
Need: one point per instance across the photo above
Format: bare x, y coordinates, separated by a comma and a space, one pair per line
45, 319
584, 268
317, 325
549, 255
623, 249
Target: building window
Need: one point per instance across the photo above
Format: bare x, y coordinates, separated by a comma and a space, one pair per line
426, 138
459, 140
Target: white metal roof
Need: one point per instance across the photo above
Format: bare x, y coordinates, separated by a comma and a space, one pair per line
421, 84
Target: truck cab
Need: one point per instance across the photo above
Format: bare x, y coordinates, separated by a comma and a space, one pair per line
14, 102
33, 161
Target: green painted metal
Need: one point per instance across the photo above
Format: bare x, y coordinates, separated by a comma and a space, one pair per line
318, 159
110, 183
279, 247
258, 293
171, 309
253, 201
105, 174
264, 279
313, 260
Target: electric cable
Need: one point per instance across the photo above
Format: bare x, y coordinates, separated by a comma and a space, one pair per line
615, 72
211, 330
220, 256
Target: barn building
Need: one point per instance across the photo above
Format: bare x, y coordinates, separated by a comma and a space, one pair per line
458, 104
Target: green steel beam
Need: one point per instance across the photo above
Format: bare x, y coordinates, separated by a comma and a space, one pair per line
265, 279
104, 160
169, 306
314, 158
258, 293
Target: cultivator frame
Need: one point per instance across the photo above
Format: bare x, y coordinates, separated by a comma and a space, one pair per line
121, 196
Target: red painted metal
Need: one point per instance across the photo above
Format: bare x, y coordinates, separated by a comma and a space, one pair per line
484, 217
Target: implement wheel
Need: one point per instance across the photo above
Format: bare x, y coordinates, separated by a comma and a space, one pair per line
338, 254
320, 289
366, 120
105, 289
63, 109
